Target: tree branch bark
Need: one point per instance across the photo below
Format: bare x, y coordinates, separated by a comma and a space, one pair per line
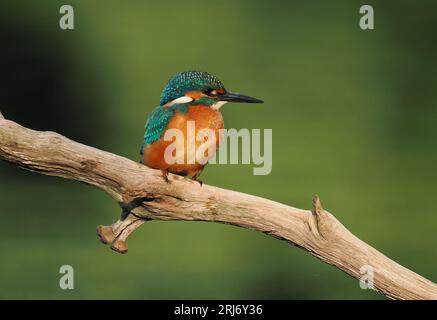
150, 198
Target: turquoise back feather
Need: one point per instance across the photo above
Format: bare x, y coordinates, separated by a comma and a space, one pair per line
158, 120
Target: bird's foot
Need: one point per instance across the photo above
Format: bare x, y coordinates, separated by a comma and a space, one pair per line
199, 181
164, 174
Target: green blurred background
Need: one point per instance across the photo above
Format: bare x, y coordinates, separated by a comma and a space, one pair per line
353, 115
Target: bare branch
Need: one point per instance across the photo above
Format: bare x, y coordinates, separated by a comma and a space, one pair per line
128, 182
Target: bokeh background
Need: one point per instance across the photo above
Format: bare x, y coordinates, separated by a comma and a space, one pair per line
353, 115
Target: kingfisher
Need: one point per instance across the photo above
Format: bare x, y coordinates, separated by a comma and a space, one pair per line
188, 97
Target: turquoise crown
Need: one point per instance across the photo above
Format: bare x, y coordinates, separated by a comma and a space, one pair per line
186, 81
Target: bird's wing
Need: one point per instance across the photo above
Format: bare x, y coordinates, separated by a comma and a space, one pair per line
158, 120
156, 123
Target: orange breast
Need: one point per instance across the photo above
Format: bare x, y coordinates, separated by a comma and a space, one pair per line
202, 117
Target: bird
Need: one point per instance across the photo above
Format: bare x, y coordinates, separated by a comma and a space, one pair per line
189, 96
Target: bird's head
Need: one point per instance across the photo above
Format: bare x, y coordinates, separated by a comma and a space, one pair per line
197, 87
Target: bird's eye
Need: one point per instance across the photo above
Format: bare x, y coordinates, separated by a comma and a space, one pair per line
211, 92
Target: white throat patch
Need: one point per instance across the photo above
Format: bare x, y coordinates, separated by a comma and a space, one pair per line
218, 105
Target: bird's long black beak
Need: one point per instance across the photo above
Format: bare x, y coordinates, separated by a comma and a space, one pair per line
236, 97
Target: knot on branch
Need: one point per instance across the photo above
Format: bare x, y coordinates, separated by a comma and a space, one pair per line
317, 205
320, 223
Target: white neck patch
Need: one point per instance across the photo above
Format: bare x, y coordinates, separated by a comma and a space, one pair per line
183, 99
